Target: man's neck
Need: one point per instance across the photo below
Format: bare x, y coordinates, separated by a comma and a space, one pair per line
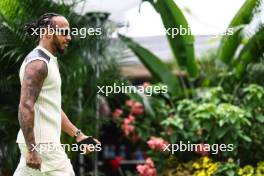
47, 47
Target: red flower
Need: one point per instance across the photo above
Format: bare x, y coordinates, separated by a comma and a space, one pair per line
116, 162
136, 107
117, 113
156, 143
149, 162
127, 127
131, 118
130, 103
148, 169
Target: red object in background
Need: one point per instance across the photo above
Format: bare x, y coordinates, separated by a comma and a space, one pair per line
115, 163
129, 119
127, 127
136, 107
117, 113
148, 169
156, 143
201, 149
130, 103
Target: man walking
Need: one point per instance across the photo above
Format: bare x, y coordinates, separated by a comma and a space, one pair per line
40, 115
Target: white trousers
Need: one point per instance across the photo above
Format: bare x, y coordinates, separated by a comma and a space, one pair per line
54, 163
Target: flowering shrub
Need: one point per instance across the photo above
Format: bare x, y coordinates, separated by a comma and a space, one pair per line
251, 171
136, 107
156, 143
117, 113
127, 125
115, 163
148, 169
213, 117
205, 167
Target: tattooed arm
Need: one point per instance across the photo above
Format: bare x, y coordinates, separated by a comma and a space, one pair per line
35, 73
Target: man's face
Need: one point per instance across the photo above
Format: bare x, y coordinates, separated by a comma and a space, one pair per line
62, 36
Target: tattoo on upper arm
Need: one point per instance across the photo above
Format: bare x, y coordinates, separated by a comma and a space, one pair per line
35, 73
34, 76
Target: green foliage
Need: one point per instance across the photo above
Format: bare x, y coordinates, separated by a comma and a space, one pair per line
158, 69
230, 43
182, 45
252, 96
251, 52
227, 169
212, 122
213, 117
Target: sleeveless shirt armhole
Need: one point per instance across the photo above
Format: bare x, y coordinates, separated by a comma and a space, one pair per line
37, 58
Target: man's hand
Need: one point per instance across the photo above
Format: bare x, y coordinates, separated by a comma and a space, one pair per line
88, 147
83, 136
33, 160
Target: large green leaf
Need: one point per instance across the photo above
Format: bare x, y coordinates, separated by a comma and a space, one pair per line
157, 68
230, 43
182, 45
251, 52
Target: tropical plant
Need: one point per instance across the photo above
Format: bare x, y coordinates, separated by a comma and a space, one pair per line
230, 43
159, 70
244, 46
182, 46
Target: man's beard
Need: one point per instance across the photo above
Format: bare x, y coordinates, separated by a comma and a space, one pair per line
60, 51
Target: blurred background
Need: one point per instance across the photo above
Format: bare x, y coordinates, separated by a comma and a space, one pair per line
214, 76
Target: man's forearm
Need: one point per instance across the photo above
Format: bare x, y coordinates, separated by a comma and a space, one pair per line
69, 128
66, 125
26, 121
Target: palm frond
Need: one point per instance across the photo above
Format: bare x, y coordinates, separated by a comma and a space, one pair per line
230, 43
252, 51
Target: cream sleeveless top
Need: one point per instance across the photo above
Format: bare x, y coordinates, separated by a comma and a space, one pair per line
47, 120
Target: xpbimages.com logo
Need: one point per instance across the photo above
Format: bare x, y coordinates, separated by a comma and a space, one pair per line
181, 30
183, 147
82, 148
81, 32
147, 90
